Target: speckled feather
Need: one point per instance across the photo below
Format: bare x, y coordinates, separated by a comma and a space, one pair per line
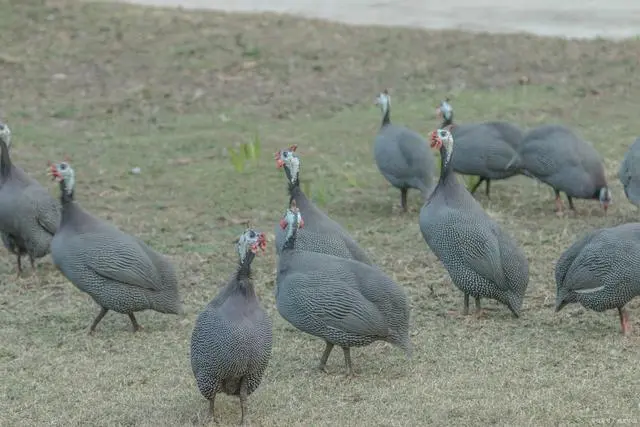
343, 301
481, 258
29, 215
601, 269
119, 271
322, 234
232, 339
402, 155
556, 156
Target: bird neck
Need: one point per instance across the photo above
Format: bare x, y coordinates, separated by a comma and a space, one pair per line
386, 117
445, 164
5, 160
243, 275
447, 122
291, 240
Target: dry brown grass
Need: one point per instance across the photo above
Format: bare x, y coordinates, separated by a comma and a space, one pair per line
117, 87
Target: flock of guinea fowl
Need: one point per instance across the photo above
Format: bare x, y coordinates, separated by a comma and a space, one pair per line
326, 285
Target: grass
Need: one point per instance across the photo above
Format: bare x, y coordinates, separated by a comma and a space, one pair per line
173, 92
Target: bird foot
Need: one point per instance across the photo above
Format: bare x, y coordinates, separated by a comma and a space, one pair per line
323, 369
349, 374
138, 328
480, 314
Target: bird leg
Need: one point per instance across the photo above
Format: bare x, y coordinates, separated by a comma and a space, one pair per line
19, 265
475, 187
479, 310
570, 203
243, 400
403, 198
325, 357
212, 401
347, 362
624, 321
33, 262
466, 305
488, 182
558, 203
97, 320
134, 322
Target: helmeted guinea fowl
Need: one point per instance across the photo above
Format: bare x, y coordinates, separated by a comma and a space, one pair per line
119, 271
402, 155
555, 155
601, 271
629, 173
323, 234
481, 258
343, 301
232, 338
29, 215
486, 150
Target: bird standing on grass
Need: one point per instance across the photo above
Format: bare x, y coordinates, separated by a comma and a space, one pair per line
343, 301
487, 150
558, 157
403, 156
29, 215
231, 341
481, 258
119, 271
601, 271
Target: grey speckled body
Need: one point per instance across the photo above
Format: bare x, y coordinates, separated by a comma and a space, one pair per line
481, 258
345, 302
402, 155
601, 270
322, 234
629, 173
232, 338
488, 150
556, 156
29, 215
119, 271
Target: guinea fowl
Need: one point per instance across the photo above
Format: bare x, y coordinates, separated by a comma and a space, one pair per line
119, 271
629, 173
487, 150
402, 155
29, 215
343, 301
481, 258
232, 338
600, 271
323, 234
556, 156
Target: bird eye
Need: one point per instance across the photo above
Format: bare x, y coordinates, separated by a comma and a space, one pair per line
252, 234
443, 133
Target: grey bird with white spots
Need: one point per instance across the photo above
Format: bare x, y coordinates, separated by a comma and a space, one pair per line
487, 150
556, 156
481, 258
601, 271
232, 338
402, 155
119, 271
343, 301
29, 215
323, 234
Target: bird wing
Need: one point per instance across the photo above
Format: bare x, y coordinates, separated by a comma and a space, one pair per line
118, 257
477, 245
334, 304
